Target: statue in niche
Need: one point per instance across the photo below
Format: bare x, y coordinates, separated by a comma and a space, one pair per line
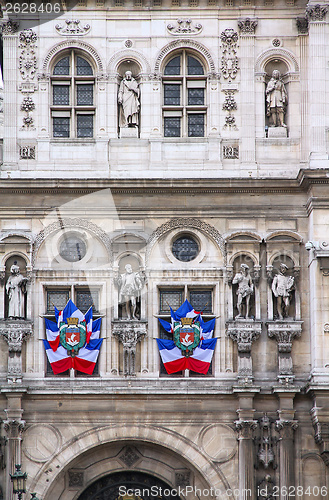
276, 100
130, 286
282, 287
128, 98
16, 291
244, 291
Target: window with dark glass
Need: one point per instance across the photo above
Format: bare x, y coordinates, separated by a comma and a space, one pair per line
185, 248
184, 97
73, 84
72, 248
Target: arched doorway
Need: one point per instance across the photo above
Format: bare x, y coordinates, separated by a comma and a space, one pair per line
128, 485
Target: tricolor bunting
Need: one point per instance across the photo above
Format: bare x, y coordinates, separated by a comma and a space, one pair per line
192, 347
73, 341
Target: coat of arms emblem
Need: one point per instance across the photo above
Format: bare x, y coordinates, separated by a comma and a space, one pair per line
187, 335
72, 335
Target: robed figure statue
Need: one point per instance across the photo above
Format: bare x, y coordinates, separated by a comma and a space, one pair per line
16, 290
128, 98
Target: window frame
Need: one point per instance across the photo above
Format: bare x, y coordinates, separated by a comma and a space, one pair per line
72, 109
185, 81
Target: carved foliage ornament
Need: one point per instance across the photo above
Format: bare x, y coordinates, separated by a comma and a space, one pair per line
129, 333
184, 27
247, 26
9, 27
27, 59
72, 28
316, 12
245, 428
266, 443
230, 61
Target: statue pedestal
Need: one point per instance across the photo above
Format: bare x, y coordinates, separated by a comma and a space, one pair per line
15, 332
129, 333
128, 132
284, 332
277, 132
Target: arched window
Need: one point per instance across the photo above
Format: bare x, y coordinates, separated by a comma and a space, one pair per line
184, 97
73, 99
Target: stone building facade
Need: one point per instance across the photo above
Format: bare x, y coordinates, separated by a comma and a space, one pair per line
219, 174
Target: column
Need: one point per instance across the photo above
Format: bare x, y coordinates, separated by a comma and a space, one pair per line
302, 27
245, 427
9, 30
247, 92
14, 427
317, 79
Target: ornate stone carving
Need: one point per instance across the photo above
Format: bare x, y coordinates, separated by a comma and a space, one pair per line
244, 333
27, 104
284, 333
282, 287
129, 456
27, 152
184, 223
14, 427
229, 103
128, 44
3, 442
246, 428
247, 26
75, 478
316, 12
229, 269
15, 332
27, 59
230, 122
129, 333
184, 27
71, 223
302, 25
182, 478
266, 442
231, 153
28, 123
72, 28
265, 488
244, 291
9, 27
286, 428
229, 61
321, 434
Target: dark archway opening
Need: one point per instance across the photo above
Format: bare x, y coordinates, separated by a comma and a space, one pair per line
138, 485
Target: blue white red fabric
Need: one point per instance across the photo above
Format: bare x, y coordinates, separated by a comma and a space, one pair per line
171, 355
86, 358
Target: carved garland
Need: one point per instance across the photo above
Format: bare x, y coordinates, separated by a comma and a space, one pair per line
185, 223
72, 44
182, 44
71, 223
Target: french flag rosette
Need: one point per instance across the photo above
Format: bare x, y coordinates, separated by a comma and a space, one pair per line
192, 347
73, 341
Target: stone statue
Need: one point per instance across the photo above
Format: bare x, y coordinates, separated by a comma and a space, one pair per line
276, 100
16, 290
281, 288
128, 98
245, 289
130, 285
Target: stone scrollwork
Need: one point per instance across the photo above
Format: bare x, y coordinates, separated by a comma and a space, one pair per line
184, 27
72, 28
15, 332
129, 333
321, 434
316, 12
27, 59
230, 62
286, 428
246, 428
247, 26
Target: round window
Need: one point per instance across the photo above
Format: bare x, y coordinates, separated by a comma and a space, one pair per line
72, 248
185, 248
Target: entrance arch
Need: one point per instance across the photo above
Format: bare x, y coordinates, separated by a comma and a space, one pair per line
134, 485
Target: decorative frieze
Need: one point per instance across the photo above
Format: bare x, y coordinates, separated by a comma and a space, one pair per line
316, 12
284, 333
184, 27
9, 27
27, 60
129, 333
230, 62
72, 28
247, 26
15, 332
229, 102
302, 25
